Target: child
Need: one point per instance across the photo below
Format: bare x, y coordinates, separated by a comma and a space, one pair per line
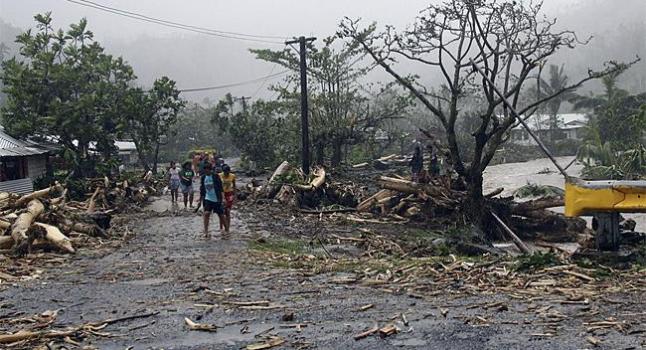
229, 189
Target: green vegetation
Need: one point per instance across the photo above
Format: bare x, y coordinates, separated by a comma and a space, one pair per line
65, 88
614, 146
536, 261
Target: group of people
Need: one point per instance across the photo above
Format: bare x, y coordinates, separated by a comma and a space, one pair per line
216, 184
418, 173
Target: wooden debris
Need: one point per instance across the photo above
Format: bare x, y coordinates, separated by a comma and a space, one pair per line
388, 331
200, 326
366, 333
268, 344
366, 307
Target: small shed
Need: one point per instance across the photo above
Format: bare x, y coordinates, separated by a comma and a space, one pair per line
21, 163
127, 152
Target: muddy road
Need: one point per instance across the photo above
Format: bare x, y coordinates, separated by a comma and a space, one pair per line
168, 269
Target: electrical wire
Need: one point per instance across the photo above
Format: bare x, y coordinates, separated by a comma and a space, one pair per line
261, 79
264, 81
195, 29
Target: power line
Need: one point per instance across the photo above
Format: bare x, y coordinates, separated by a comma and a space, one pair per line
186, 25
235, 84
264, 82
195, 29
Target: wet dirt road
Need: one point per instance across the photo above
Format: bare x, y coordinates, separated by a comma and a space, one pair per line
167, 268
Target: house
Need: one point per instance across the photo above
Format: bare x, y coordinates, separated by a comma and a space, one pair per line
21, 162
569, 126
127, 152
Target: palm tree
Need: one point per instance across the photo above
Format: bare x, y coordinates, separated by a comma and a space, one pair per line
557, 81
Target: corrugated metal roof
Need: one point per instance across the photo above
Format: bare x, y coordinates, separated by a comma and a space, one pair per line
11, 147
21, 186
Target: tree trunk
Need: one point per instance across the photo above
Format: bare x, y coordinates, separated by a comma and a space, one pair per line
155, 158
319, 153
474, 204
337, 154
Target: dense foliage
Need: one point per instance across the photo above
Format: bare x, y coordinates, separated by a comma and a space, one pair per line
65, 88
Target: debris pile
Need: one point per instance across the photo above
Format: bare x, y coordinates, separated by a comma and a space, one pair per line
313, 194
441, 200
48, 218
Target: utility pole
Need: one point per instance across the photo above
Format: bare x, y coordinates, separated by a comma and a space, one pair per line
243, 100
305, 133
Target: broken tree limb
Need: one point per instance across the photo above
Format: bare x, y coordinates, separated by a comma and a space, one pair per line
91, 206
543, 203
57, 238
411, 187
371, 201
23, 222
517, 241
317, 182
273, 187
38, 194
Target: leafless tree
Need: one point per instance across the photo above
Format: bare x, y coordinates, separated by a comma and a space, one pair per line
509, 40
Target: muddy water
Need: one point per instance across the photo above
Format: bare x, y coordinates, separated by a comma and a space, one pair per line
511, 176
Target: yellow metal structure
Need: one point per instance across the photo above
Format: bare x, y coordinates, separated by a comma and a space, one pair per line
590, 197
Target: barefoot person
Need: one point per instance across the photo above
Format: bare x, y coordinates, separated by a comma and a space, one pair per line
174, 182
229, 189
186, 183
211, 198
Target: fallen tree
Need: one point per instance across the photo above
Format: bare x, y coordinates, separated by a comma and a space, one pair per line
49, 217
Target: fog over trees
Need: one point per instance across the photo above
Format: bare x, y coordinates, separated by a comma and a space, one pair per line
617, 29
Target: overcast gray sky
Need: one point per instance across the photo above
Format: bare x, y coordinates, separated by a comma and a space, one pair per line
198, 60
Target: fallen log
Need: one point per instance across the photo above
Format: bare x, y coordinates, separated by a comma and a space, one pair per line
23, 222
6, 242
526, 208
91, 206
38, 194
371, 201
411, 187
517, 241
56, 237
272, 187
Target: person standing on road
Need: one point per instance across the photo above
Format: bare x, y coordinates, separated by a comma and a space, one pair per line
229, 189
186, 183
174, 182
417, 164
211, 198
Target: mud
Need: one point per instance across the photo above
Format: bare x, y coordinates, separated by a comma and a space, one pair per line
169, 268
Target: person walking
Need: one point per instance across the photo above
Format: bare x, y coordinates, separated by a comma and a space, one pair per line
229, 189
211, 198
174, 182
416, 164
186, 183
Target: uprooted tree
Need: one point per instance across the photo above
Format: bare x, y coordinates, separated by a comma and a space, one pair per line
508, 40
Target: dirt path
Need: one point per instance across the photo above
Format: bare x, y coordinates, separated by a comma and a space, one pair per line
166, 268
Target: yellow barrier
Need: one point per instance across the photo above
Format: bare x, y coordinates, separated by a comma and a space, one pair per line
588, 197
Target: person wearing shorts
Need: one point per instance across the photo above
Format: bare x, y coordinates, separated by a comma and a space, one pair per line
211, 198
229, 189
174, 181
186, 183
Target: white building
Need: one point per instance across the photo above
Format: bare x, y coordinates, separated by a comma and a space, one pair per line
127, 152
569, 126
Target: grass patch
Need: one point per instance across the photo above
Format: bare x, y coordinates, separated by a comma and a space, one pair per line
536, 261
282, 246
